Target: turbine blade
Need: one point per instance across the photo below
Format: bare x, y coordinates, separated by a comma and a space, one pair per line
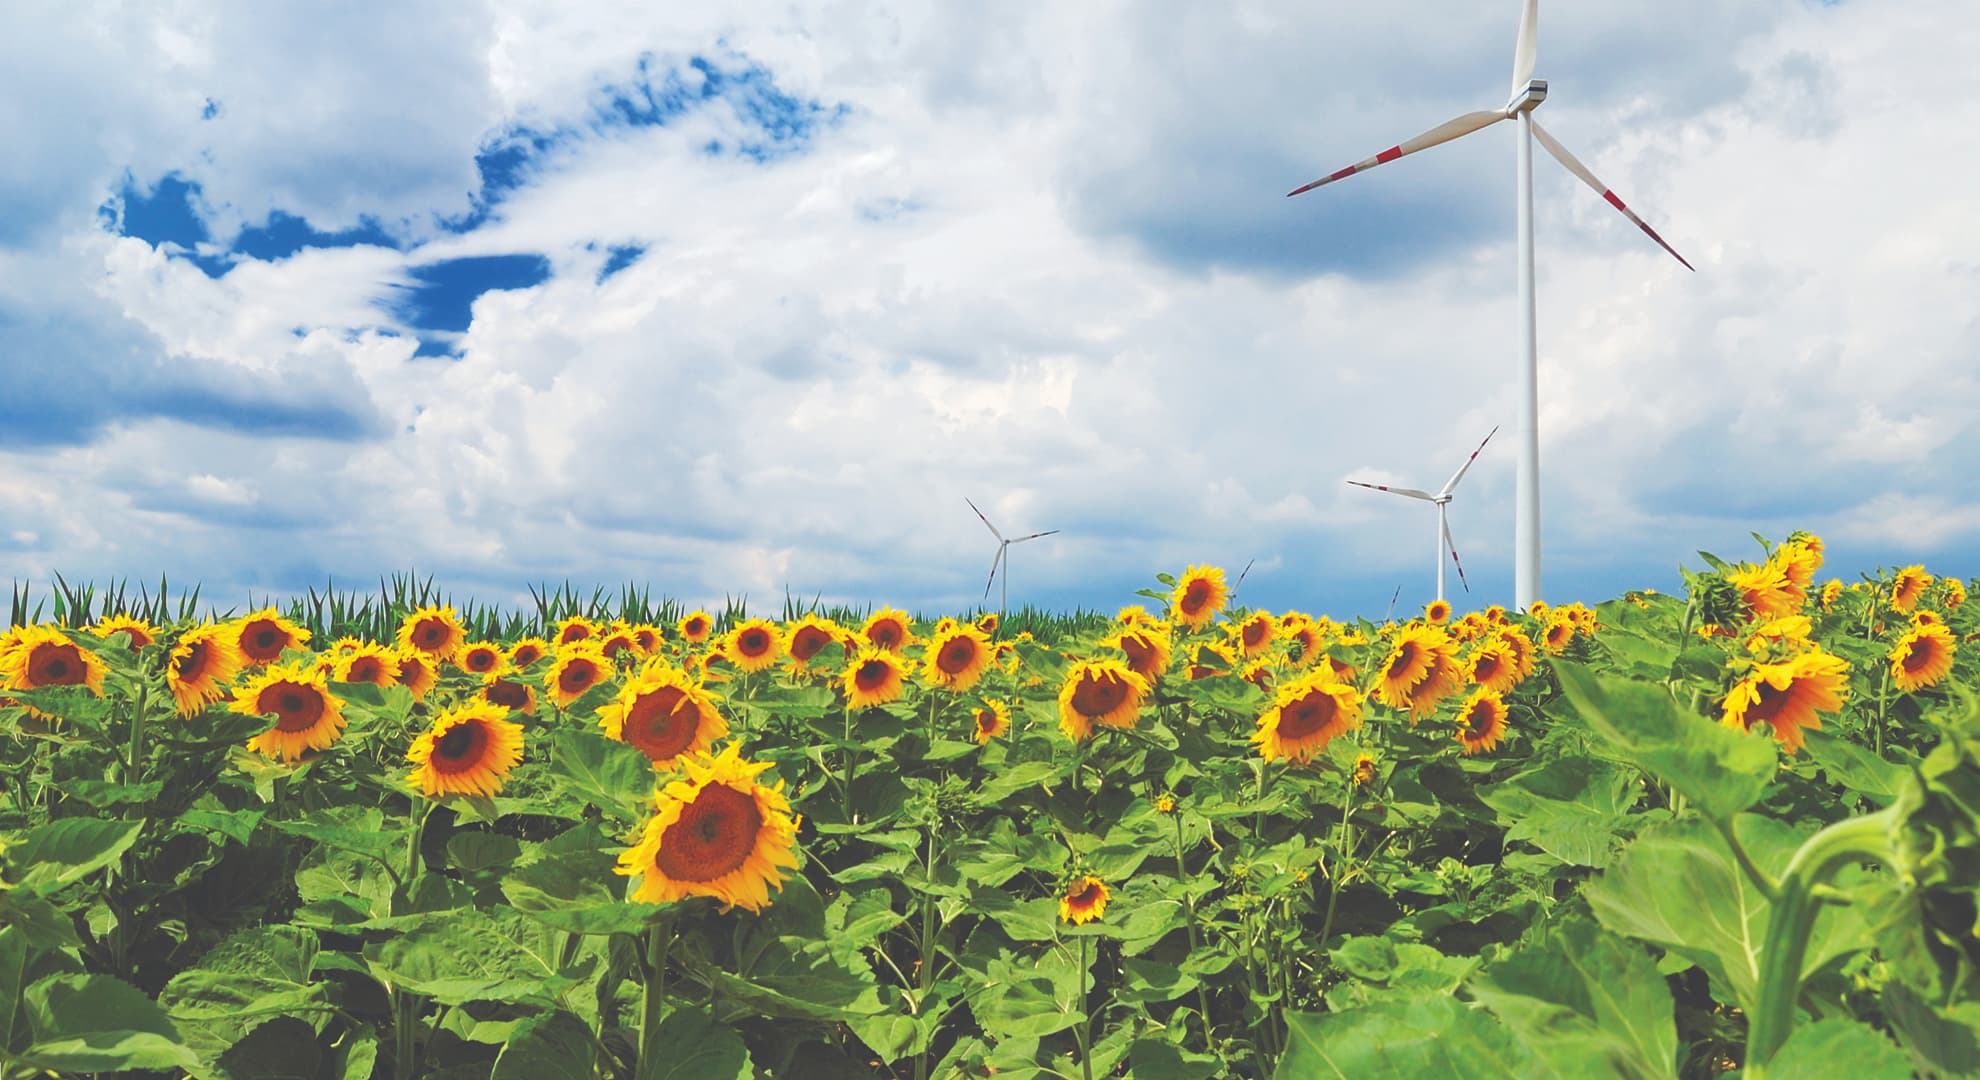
1442, 133
1525, 49
994, 564
1577, 168
1411, 492
1034, 536
984, 520
1452, 544
1462, 469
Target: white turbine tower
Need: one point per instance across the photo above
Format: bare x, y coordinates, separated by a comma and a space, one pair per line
1443, 500
1527, 92
1002, 560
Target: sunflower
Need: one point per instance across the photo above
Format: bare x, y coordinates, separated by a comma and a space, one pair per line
647, 637
1146, 646
888, 629
1788, 696
1556, 635
1364, 770
1411, 659
1791, 632
988, 622
1481, 721
345, 644
1085, 899
1525, 657
468, 751
1799, 558
1493, 666
527, 651
1101, 692
874, 677
574, 629
1831, 591
1955, 592
1304, 641
957, 658
619, 645
433, 631
577, 669
262, 636
44, 656
664, 714
993, 719
1165, 804
481, 658
511, 694
374, 664
696, 626
1199, 596
1910, 584
1254, 634
808, 637
1922, 657
1305, 716
1765, 590
1444, 679
1259, 674
307, 716
417, 672
141, 632
717, 833
754, 644
203, 661
1132, 615
1437, 612
1927, 617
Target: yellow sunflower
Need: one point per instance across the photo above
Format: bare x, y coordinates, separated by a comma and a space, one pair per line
648, 638
992, 720
527, 651
1788, 696
1799, 559
1556, 635
434, 632
41, 656
808, 637
1922, 657
1100, 692
988, 622
368, 663
696, 627
1364, 770
513, 694
574, 629
1493, 666
664, 714
1765, 590
957, 658
202, 663
1481, 721
469, 751
1445, 678
1304, 640
1832, 590
1305, 716
619, 645
307, 715
888, 629
1955, 591
262, 636
1910, 584
1524, 655
481, 658
141, 632
1199, 595
577, 669
1437, 612
1254, 634
875, 676
753, 644
1132, 615
1085, 899
1146, 646
1411, 659
417, 672
717, 833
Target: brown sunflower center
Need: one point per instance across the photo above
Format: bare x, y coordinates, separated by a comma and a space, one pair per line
695, 628
479, 660
192, 665
508, 694
460, 749
662, 723
714, 836
1140, 653
297, 708
55, 665
263, 640
577, 676
617, 644
1307, 716
1769, 703
1085, 895
527, 655
1196, 596
1486, 667
1255, 633
1098, 695
886, 634
807, 642
986, 720
366, 669
754, 641
430, 634
957, 656
872, 674
1405, 659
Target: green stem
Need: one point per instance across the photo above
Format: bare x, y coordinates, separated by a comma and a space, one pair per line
1768, 887
1195, 937
852, 764
659, 943
1081, 1033
134, 767
925, 977
1883, 702
1857, 839
405, 1032
1341, 867
414, 864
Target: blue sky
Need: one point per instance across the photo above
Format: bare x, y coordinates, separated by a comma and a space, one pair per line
749, 299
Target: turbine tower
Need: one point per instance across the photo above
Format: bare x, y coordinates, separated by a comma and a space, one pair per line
1002, 560
1443, 500
1527, 93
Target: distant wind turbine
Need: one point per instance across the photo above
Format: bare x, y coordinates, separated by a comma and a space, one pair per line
1002, 560
1527, 93
1443, 499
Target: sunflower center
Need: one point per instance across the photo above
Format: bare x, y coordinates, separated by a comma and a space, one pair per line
1087, 895
366, 669
192, 665
957, 656
1917, 657
1098, 695
807, 641
695, 628
986, 720
715, 835
1307, 716
872, 674
1404, 660
527, 655
577, 676
508, 694
753, 641
1255, 633
1768, 704
55, 665
662, 724
460, 749
1140, 653
480, 660
1196, 597
886, 635
431, 633
296, 708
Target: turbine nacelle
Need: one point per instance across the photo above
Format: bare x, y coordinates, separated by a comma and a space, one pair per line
1528, 98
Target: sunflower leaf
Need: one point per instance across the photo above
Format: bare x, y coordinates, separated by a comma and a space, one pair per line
1586, 1001
67, 850
1839, 1049
692, 1046
97, 1023
1719, 770
612, 776
1403, 1040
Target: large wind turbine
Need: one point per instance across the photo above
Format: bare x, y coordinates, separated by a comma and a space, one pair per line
1002, 559
1443, 499
1527, 92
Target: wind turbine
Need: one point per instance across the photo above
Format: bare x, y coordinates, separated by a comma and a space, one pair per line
1443, 499
1527, 93
1003, 546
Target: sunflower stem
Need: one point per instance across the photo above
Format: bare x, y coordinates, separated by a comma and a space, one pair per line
1081, 1032
405, 1032
1883, 703
1195, 937
659, 943
852, 764
925, 977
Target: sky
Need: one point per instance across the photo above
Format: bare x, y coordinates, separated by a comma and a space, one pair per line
745, 300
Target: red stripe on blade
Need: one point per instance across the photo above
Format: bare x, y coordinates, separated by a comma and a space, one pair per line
1349, 171
1386, 156
1615, 202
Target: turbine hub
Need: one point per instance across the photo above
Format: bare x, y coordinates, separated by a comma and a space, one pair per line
1526, 100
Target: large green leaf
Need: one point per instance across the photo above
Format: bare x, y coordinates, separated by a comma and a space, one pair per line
472, 955
555, 1044
1586, 1001
64, 851
1570, 808
692, 1046
578, 892
1405, 1040
1838, 1049
247, 979
1721, 771
610, 775
96, 1023
359, 829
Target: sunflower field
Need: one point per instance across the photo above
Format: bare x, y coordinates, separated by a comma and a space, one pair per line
1731, 832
